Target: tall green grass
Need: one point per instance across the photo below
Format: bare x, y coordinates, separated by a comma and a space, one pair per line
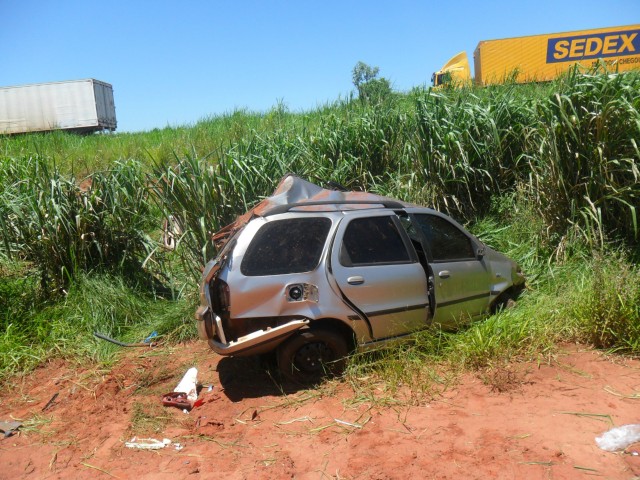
606, 304
63, 227
571, 146
587, 172
455, 151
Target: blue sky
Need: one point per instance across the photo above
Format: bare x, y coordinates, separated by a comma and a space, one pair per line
174, 63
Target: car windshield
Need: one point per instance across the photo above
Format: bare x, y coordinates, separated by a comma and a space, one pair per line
286, 246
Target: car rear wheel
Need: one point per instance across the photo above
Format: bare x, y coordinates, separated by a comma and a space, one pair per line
312, 355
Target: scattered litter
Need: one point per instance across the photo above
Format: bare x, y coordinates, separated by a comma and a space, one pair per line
153, 335
50, 402
177, 399
188, 384
185, 395
348, 424
147, 443
9, 428
619, 438
123, 344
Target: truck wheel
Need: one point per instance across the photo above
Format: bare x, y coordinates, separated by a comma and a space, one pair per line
312, 355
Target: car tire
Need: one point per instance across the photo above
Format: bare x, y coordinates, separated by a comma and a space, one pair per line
504, 302
312, 355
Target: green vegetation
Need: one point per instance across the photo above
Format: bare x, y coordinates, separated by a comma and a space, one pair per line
370, 88
548, 174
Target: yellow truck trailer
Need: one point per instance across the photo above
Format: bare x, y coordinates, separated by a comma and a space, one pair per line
539, 58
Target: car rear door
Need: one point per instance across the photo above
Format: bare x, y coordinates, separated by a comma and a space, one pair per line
378, 272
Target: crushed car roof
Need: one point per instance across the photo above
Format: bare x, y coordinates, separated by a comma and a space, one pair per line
295, 193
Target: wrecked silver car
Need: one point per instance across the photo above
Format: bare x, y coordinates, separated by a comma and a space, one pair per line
314, 274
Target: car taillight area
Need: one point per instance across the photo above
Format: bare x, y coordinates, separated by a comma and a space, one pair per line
220, 302
238, 327
220, 298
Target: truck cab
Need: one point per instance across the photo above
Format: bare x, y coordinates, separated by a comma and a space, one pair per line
455, 72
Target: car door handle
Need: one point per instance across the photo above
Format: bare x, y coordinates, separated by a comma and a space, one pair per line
356, 280
444, 274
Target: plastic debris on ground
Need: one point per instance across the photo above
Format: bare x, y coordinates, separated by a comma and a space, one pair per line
188, 384
185, 395
147, 443
348, 424
149, 339
178, 400
51, 401
9, 428
619, 438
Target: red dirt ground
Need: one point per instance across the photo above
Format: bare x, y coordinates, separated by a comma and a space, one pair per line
523, 421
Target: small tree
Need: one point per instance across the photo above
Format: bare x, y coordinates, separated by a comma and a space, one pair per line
363, 73
370, 88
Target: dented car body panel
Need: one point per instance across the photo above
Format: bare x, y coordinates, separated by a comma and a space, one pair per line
370, 268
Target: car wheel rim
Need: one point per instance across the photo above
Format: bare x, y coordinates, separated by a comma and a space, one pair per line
313, 357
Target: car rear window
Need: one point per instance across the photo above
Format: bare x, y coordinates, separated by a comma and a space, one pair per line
286, 246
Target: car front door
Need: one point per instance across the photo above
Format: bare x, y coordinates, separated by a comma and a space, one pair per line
378, 272
460, 277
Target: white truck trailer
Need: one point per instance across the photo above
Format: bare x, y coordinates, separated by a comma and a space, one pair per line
77, 105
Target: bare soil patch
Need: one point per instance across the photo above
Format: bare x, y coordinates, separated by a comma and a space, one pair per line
520, 421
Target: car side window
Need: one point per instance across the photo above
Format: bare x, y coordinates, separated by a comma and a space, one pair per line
372, 241
286, 246
446, 241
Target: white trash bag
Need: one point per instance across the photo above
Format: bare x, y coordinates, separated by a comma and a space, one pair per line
619, 438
